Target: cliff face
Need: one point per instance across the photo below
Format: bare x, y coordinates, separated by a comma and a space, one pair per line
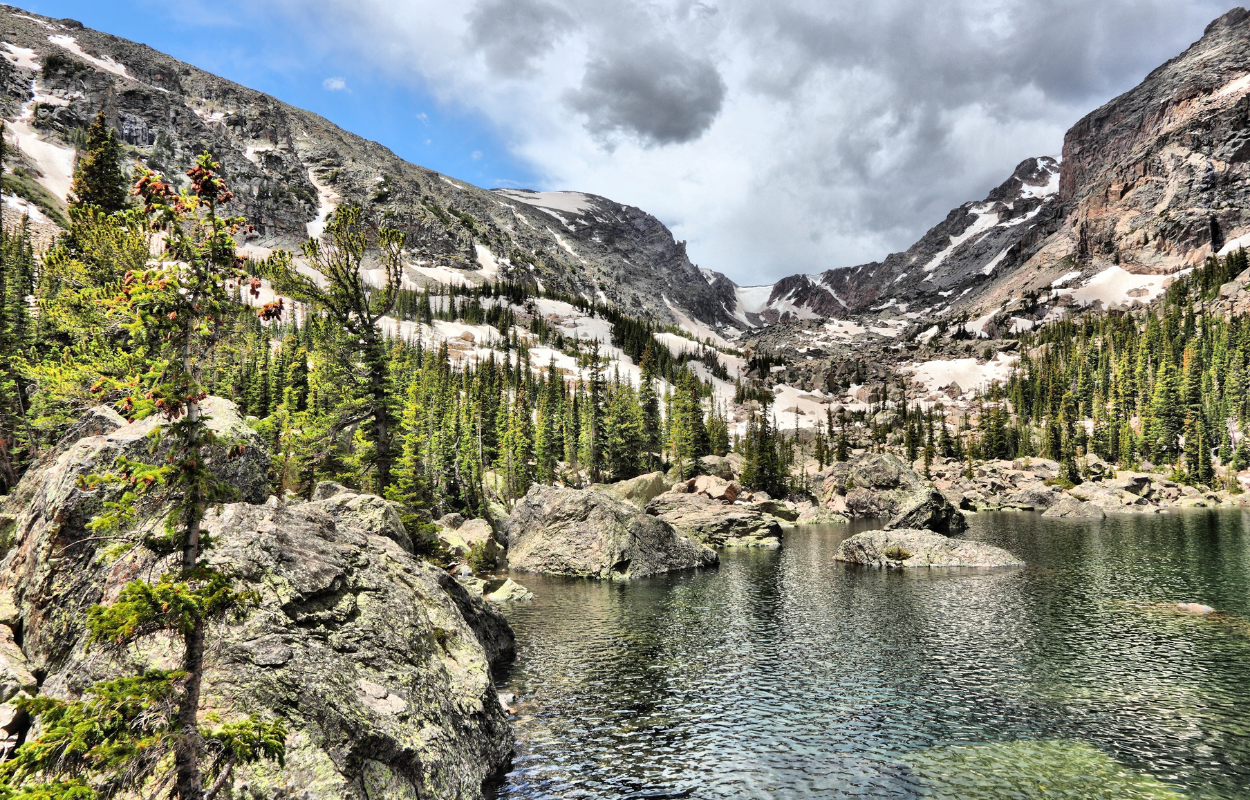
1151, 183
1159, 178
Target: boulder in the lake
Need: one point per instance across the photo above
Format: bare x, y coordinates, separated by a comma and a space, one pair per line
507, 592
929, 509
1071, 508
715, 523
909, 548
583, 533
1035, 495
819, 515
871, 485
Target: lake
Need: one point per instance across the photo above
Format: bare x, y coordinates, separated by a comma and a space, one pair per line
786, 674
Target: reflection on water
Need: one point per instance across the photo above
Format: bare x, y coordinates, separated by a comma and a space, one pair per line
786, 674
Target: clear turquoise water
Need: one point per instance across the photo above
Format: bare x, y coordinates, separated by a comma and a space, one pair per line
785, 674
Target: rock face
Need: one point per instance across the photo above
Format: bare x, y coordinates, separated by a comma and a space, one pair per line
930, 510
288, 165
583, 533
715, 523
897, 549
378, 662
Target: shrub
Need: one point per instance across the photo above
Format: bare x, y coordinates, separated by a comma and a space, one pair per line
896, 553
481, 558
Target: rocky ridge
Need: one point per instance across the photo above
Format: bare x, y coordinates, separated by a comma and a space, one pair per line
290, 168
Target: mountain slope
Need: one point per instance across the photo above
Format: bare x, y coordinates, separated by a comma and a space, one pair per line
290, 168
1149, 185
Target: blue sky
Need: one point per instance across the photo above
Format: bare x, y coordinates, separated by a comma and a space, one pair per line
773, 136
264, 48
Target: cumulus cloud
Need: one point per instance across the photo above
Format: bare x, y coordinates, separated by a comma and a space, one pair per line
654, 91
334, 85
776, 136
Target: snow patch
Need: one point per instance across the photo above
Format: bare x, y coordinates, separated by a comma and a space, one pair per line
23, 206
571, 202
985, 220
1061, 280
327, 201
1115, 285
54, 161
989, 268
1051, 187
21, 57
486, 259
966, 372
105, 63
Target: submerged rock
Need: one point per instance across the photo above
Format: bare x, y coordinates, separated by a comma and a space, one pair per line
715, 523
916, 548
584, 533
1195, 608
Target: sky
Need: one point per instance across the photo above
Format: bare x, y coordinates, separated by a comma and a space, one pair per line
773, 136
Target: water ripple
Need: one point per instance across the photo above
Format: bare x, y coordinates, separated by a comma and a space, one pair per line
785, 674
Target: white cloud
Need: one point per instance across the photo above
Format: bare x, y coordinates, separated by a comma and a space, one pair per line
776, 136
334, 84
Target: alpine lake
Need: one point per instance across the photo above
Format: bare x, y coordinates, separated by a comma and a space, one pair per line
786, 674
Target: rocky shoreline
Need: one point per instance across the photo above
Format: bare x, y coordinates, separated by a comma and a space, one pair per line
381, 699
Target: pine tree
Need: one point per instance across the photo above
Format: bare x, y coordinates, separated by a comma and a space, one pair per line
357, 309
99, 182
94, 745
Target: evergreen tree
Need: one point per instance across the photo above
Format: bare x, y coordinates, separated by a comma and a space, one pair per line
357, 309
99, 182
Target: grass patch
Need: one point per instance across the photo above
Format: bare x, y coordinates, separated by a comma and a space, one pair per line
896, 553
1061, 768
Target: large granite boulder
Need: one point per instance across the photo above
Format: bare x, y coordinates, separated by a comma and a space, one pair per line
929, 509
714, 523
379, 663
640, 490
895, 549
871, 485
585, 533
367, 513
1031, 496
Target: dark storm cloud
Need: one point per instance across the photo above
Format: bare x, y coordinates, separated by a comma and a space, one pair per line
920, 75
510, 34
654, 92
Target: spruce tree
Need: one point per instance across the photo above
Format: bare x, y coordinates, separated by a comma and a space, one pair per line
99, 182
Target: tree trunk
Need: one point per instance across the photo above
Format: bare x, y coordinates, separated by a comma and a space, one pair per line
381, 414
187, 746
